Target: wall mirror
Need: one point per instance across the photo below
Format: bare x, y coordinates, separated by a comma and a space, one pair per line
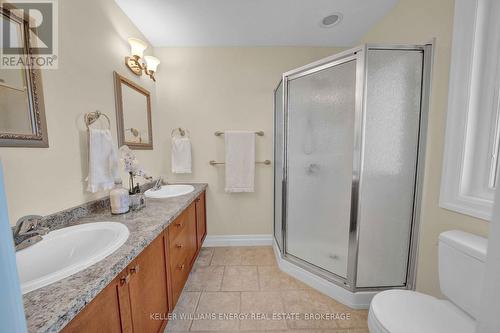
133, 114
22, 114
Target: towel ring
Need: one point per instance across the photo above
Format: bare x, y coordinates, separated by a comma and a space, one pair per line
92, 117
182, 132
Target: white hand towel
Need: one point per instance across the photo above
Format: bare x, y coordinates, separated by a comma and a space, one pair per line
103, 161
240, 161
181, 154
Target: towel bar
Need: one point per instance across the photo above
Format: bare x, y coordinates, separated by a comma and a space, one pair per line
266, 162
219, 133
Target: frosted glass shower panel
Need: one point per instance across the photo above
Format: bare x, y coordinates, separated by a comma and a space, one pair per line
278, 163
321, 109
392, 119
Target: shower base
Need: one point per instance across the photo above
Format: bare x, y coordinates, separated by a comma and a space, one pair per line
355, 300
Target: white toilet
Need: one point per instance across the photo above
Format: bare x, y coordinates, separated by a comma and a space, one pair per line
462, 259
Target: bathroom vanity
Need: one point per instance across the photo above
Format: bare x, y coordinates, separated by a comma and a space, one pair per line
141, 296
135, 288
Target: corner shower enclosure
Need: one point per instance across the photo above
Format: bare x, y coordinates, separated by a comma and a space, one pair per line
349, 142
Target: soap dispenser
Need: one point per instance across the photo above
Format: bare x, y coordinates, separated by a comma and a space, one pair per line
119, 199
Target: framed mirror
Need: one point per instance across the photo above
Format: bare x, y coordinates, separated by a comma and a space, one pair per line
22, 114
133, 114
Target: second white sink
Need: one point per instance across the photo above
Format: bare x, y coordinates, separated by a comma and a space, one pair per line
169, 191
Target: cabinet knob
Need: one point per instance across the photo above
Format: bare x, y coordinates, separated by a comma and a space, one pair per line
125, 279
197, 200
178, 224
181, 267
179, 246
135, 269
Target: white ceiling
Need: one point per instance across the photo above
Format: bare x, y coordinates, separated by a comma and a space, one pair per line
253, 22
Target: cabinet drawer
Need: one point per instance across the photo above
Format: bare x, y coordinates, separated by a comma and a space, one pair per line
180, 247
183, 246
179, 274
179, 223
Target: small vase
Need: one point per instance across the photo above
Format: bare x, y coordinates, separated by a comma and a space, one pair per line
137, 201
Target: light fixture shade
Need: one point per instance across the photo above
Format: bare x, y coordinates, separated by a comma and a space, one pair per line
152, 63
137, 47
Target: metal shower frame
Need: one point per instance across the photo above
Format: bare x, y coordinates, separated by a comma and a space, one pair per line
359, 54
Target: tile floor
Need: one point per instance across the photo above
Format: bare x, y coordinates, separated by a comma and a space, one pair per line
241, 289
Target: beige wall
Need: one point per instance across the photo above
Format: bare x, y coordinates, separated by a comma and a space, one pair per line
209, 89
92, 41
418, 22
204, 90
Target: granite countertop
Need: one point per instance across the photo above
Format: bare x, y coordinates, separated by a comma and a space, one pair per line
50, 308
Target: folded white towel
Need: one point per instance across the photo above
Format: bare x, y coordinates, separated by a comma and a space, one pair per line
181, 154
240, 161
103, 161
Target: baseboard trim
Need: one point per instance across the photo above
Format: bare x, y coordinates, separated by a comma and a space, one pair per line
238, 240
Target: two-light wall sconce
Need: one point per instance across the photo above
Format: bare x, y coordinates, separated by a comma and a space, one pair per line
137, 62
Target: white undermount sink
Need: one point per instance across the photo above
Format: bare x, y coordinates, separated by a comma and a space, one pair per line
67, 251
169, 191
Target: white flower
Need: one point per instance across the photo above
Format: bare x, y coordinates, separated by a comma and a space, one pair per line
131, 163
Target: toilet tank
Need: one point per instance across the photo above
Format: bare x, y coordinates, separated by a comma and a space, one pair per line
462, 258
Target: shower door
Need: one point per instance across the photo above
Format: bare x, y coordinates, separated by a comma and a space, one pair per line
320, 140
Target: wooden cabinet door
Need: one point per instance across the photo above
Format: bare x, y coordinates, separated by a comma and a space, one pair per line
201, 219
166, 247
124, 301
148, 288
191, 234
102, 315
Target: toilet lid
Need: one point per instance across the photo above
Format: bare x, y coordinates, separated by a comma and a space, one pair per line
404, 311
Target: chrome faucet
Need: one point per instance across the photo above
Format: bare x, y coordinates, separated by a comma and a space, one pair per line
28, 231
157, 184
